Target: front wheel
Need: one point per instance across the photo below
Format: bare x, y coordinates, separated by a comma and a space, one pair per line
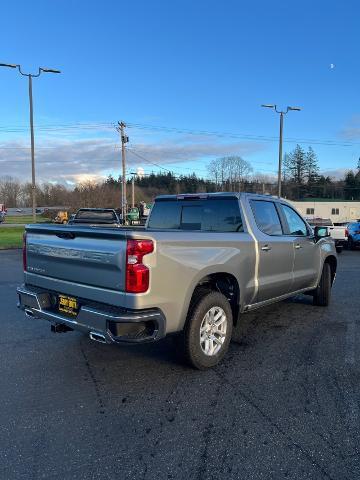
322, 293
208, 329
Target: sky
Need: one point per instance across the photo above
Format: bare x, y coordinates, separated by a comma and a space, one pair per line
187, 77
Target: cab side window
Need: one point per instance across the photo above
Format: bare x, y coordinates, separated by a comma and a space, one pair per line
266, 217
296, 224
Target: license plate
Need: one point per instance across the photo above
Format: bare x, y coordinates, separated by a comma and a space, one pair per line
68, 305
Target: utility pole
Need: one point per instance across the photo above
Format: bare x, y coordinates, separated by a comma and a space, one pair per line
124, 140
30, 77
274, 107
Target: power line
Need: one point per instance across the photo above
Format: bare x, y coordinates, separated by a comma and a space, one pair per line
60, 126
243, 136
253, 162
53, 127
194, 170
148, 161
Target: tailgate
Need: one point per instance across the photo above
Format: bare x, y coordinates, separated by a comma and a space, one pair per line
82, 255
337, 233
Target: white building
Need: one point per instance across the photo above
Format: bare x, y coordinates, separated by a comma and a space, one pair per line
337, 211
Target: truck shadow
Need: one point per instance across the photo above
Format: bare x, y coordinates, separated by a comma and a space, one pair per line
253, 329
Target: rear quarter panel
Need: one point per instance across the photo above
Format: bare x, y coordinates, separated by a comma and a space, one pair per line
181, 259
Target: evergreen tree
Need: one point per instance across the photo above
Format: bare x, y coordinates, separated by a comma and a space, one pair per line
312, 167
352, 186
295, 166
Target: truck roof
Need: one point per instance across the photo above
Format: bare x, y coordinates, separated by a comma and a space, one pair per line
204, 195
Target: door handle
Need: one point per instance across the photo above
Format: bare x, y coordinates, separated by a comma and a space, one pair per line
266, 248
298, 246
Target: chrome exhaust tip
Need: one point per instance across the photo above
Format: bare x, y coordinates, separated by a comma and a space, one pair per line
97, 337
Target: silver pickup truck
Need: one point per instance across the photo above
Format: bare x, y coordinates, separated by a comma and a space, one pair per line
200, 263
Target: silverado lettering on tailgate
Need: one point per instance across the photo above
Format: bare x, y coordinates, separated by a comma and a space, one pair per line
71, 253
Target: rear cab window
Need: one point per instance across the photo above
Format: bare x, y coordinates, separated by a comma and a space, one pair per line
208, 215
99, 216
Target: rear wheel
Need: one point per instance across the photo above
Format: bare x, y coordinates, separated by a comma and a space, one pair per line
207, 333
322, 293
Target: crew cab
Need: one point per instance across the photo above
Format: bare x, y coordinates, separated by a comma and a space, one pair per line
199, 264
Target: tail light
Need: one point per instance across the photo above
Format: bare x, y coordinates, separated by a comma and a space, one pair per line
137, 274
346, 232
24, 253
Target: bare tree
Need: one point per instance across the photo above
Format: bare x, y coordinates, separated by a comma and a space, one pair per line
230, 172
10, 190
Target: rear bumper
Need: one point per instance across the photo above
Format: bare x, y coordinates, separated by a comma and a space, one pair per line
103, 323
341, 242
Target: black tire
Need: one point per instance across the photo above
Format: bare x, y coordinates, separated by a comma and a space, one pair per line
203, 300
322, 293
350, 244
339, 250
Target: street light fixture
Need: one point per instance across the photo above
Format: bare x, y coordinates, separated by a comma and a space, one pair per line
49, 70
10, 65
282, 113
30, 77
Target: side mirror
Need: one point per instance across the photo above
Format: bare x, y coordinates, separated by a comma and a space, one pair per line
321, 232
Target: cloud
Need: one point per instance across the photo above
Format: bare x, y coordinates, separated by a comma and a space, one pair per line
352, 131
187, 149
337, 174
69, 161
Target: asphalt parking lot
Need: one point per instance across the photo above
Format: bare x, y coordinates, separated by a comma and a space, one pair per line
283, 405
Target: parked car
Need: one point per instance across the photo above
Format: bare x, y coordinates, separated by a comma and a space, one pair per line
2, 217
201, 262
338, 233
354, 235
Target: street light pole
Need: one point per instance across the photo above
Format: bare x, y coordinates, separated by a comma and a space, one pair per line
280, 152
30, 77
281, 113
33, 178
